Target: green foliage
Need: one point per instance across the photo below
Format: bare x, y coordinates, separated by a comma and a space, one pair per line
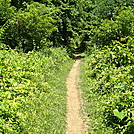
32, 97
105, 9
107, 71
73, 24
103, 28
118, 28
108, 88
29, 29
122, 54
6, 11
119, 112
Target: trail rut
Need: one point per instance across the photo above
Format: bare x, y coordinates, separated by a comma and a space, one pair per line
75, 124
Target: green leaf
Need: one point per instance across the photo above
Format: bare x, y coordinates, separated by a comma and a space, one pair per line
99, 132
2, 107
1, 67
132, 114
132, 72
118, 114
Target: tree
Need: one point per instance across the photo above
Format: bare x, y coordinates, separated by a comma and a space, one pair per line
6, 11
29, 29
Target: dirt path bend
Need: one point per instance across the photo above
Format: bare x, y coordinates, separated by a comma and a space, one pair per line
75, 124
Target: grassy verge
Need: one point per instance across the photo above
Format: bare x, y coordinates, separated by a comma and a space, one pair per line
33, 91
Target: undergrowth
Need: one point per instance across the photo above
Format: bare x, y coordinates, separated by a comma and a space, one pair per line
33, 92
108, 90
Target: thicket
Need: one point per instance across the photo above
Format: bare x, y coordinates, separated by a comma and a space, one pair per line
32, 96
31, 25
107, 71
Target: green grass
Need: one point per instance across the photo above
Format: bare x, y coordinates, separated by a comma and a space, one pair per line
50, 108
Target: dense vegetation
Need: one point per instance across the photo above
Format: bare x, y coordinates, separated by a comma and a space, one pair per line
36, 38
107, 71
33, 91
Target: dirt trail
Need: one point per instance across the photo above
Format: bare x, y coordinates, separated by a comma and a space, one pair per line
75, 124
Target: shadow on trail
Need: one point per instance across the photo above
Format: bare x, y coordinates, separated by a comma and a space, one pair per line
78, 55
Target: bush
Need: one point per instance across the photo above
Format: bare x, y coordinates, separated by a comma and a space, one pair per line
31, 94
108, 88
119, 27
6, 11
29, 29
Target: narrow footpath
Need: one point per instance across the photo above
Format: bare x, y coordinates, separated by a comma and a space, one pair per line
75, 124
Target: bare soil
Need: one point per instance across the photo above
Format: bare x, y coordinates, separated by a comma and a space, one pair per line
75, 123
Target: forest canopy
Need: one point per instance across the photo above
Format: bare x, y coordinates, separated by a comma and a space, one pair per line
29, 24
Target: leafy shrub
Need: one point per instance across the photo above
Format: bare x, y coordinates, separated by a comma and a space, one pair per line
119, 27
29, 29
107, 82
119, 112
29, 99
6, 11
